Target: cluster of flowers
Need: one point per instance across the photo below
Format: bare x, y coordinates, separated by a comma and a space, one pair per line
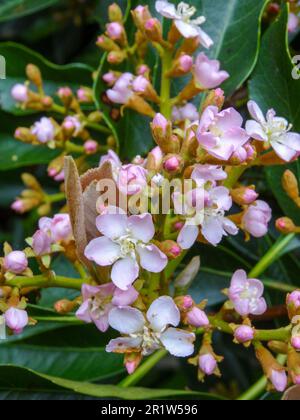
126, 253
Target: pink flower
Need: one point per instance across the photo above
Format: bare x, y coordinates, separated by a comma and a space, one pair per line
207, 364
59, 228
256, 219
208, 173
246, 295
172, 164
122, 90
16, 262
243, 334
115, 30
19, 93
16, 319
221, 133
41, 244
293, 22
125, 241
279, 380
113, 158
132, 179
151, 333
44, 130
273, 130
99, 300
182, 16
197, 318
140, 84
207, 72
187, 112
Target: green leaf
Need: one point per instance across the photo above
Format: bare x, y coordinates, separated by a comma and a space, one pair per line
14, 377
17, 57
15, 154
14, 9
235, 27
273, 86
84, 364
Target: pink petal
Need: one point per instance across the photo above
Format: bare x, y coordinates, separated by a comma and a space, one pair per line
125, 298
103, 251
188, 236
142, 227
255, 130
152, 259
212, 230
179, 343
228, 119
284, 152
102, 323
124, 273
112, 225
163, 312
256, 112
83, 312
126, 320
238, 282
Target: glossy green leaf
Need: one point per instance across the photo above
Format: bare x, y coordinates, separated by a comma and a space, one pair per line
17, 57
12, 9
273, 86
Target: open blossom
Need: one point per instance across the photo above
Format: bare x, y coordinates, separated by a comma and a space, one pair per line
59, 228
99, 300
122, 90
16, 319
186, 112
273, 130
246, 295
221, 133
146, 334
132, 179
256, 219
207, 72
44, 130
126, 241
204, 208
16, 262
182, 16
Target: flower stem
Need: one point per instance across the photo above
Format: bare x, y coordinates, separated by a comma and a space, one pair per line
165, 93
143, 369
43, 282
55, 198
61, 319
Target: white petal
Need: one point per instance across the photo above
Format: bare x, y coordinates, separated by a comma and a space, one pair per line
212, 230
126, 320
284, 152
112, 225
187, 30
291, 140
255, 130
166, 9
179, 343
205, 39
256, 112
152, 259
163, 312
123, 345
102, 251
142, 227
124, 273
188, 236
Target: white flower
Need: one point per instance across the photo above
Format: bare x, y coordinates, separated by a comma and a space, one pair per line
182, 15
273, 130
148, 334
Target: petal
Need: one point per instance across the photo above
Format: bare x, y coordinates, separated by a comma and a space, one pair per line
125, 298
179, 343
256, 112
83, 312
112, 225
260, 307
212, 230
102, 323
230, 227
242, 306
292, 140
187, 30
152, 259
166, 9
205, 39
284, 152
163, 312
124, 273
89, 291
238, 282
142, 227
126, 320
207, 140
221, 197
123, 345
256, 287
102, 251
188, 236
228, 119
256, 131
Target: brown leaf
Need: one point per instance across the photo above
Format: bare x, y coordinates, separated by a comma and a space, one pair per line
292, 394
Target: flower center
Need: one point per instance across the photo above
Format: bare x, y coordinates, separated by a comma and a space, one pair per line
186, 11
150, 340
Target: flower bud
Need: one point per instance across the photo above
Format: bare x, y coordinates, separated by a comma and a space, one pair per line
90, 147
293, 304
173, 164
285, 225
153, 30
143, 70
244, 196
110, 78
19, 93
16, 319
115, 31
215, 98
279, 380
18, 206
44, 130
273, 370
107, 44
155, 159
116, 57
85, 95
34, 75
64, 306
296, 342
181, 66
171, 249
243, 334
290, 185
143, 86
115, 13
197, 318
132, 361
140, 16
41, 244
16, 262
207, 364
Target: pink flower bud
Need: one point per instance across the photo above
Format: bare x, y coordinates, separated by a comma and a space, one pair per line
132, 179
208, 364
16, 319
109, 78
297, 380
243, 334
172, 164
279, 380
18, 206
257, 218
61, 227
250, 151
178, 226
250, 196
187, 302
20, 93
16, 262
296, 342
41, 243
90, 147
294, 299
186, 63
197, 318
140, 84
115, 30
240, 155
143, 69
151, 24
161, 122
65, 92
